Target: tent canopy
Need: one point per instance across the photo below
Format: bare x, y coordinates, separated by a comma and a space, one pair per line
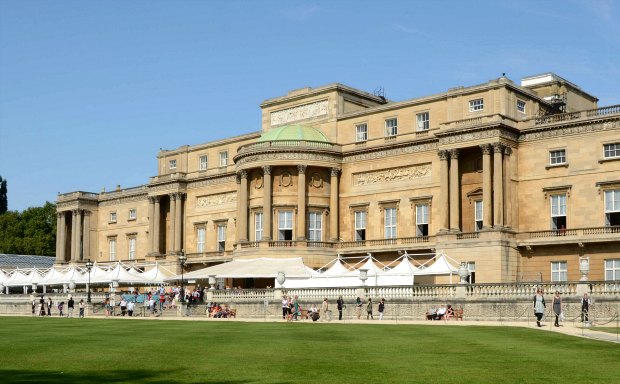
251, 268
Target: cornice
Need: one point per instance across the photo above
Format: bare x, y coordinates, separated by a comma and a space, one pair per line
220, 179
478, 133
123, 200
318, 91
288, 154
569, 128
390, 150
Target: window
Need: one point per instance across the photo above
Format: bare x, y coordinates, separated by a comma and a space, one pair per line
557, 157
521, 106
258, 226
203, 163
360, 225
558, 212
559, 271
112, 248
611, 150
285, 225
612, 269
315, 226
133, 214
390, 223
172, 164
391, 127
361, 132
424, 121
421, 219
478, 215
223, 159
201, 235
471, 268
132, 248
112, 217
612, 207
476, 105
221, 237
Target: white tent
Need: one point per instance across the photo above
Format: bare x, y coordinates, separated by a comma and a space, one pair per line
155, 275
441, 266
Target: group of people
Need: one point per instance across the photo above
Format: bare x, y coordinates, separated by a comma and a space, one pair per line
441, 313
540, 305
219, 311
43, 307
291, 309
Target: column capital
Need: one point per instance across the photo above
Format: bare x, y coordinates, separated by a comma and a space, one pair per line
507, 150
153, 199
243, 174
173, 196
335, 171
454, 153
486, 149
267, 169
86, 212
301, 168
60, 214
443, 154
498, 147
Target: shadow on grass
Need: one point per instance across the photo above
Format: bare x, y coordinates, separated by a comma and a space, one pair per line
112, 376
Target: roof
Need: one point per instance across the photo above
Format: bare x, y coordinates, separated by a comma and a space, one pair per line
25, 261
293, 132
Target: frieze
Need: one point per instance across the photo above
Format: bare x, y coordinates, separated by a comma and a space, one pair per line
212, 181
392, 175
217, 199
123, 200
370, 155
300, 112
286, 156
572, 130
478, 135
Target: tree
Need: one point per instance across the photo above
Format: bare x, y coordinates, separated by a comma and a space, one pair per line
31, 232
4, 202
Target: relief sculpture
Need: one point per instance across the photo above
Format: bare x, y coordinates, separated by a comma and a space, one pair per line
392, 175
301, 112
219, 199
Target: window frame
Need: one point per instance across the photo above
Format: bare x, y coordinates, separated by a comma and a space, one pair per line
613, 147
390, 223
478, 215
559, 158
426, 123
259, 226
221, 236
203, 165
315, 232
201, 239
112, 249
559, 271
172, 164
476, 105
523, 104
555, 224
613, 208
131, 247
613, 269
131, 217
357, 132
223, 156
357, 234
284, 213
391, 131
113, 217
422, 226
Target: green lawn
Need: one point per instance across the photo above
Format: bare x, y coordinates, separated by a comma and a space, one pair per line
60, 350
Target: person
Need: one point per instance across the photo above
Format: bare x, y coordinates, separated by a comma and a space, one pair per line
358, 308
81, 307
61, 306
539, 306
340, 305
34, 306
70, 306
284, 304
585, 307
130, 307
106, 303
324, 308
123, 306
112, 305
557, 307
381, 308
296, 309
49, 306
41, 306
441, 312
314, 313
369, 309
430, 314
449, 312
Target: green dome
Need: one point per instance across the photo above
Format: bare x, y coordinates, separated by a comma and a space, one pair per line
293, 132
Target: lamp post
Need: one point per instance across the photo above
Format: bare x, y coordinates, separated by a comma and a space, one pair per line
182, 260
89, 267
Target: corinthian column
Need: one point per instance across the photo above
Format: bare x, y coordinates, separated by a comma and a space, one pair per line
73, 248
86, 236
151, 223
59, 223
156, 224
301, 202
242, 201
63, 237
173, 213
507, 187
498, 184
444, 207
487, 207
333, 205
267, 214
178, 223
455, 198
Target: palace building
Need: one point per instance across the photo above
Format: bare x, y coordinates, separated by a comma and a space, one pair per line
518, 181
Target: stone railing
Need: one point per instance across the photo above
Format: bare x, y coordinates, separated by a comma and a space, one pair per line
468, 235
124, 193
604, 111
307, 144
77, 195
559, 235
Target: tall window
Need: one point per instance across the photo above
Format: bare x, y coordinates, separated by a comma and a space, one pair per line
361, 132
223, 159
201, 235
221, 237
478, 215
172, 164
391, 127
203, 162
559, 271
390, 223
476, 105
285, 225
132, 248
258, 226
471, 268
421, 219
112, 217
315, 226
112, 248
612, 269
424, 121
611, 150
558, 211
521, 106
612, 207
133, 214
360, 225
557, 157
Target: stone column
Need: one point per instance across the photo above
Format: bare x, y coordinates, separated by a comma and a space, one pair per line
444, 206
59, 235
74, 221
498, 181
78, 236
455, 197
507, 187
301, 202
487, 201
63, 236
178, 223
242, 201
173, 213
267, 214
333, 205
151, 222
86, 236
156, 223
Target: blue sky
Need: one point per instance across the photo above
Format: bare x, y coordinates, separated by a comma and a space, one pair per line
90, 90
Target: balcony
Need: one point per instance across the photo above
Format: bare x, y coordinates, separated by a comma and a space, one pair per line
76, 196
569, 235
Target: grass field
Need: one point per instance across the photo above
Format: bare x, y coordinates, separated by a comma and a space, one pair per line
60, 350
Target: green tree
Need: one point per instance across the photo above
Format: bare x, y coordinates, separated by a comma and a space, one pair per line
4, 202
31, 232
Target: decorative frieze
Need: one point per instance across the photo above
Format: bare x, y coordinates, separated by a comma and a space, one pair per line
212, 181
392, 175
404, 150
294, 156
217, 199
551, 132
123, 200
300, 112
461, 137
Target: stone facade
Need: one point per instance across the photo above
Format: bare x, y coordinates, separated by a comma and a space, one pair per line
517, 181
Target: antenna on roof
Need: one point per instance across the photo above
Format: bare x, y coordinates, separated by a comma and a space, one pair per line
379, 92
